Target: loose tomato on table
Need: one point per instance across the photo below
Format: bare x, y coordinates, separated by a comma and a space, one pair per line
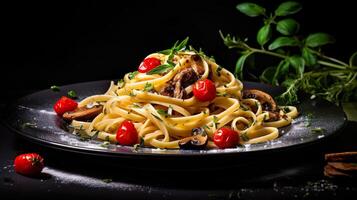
204, 90
29, 164
64, 104
148, 64
225, 138
127, 134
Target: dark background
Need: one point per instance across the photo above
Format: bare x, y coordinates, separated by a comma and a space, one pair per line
56, 42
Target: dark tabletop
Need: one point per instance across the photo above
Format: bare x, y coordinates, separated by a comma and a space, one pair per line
296, 173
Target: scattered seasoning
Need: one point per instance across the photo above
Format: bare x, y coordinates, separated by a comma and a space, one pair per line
132, 74
105, 144
148, 87
218, 70
215, 122
107, 180
55, 88
317, 130
157, 117
121, 83
72, 94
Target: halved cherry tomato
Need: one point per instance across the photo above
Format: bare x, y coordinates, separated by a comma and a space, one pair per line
65, 104
204, 90
29, 164
127, 134
225, 138
148, 64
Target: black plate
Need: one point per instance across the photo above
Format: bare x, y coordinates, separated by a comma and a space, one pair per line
32, 117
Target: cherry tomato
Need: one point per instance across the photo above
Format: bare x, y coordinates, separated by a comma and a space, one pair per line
29, 164
204, 90
148, 64
64, 104
225, 138
127, 134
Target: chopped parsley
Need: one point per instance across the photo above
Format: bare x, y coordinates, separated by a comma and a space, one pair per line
215, 122
308, 119
136, 105
105, 144
148, 87
244, 137
72, 94
28, 124
55, 88
317, 130
162, 112
132, 74
121, 83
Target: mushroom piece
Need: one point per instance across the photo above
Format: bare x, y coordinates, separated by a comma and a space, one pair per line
265, 99
83, 113
195, 142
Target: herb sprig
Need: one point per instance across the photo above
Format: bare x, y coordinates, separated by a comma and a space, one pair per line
302, 66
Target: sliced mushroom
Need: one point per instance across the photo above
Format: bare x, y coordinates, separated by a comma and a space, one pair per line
265, 99
83, 113
195, 142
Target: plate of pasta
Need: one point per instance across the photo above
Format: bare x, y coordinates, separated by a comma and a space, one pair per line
178, 102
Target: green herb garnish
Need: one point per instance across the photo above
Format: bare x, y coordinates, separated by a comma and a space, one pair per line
244, 137
55, 88
105, 144
215, 122
107, 180
148, 87
72, 94
132, 74
317, 130
162, 112
161, 69
301, 65
121, 83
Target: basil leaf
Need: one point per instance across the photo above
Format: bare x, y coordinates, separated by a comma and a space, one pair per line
309, 57
160, 69
251, 9
298, 63
288, 8
166, 51
319, 39
240, 64
277, 73
283, 41
287, 26
264, 34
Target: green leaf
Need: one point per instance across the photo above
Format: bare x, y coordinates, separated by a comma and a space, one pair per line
72, 94
309, 57
298, 63
251, 9
160, 69
264, 34
319, 39
240, 64
288, 8
182, 44
283, 41
166, 51
268, 74
353, 59
287, 26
